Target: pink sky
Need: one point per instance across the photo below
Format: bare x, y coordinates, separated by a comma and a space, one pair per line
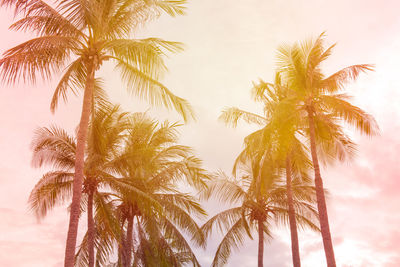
228, 46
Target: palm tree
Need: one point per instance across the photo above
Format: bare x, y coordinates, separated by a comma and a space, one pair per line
55, 147
107, 132
291, 158
86, 34
320, 107
278, 133
260, 204
153, 163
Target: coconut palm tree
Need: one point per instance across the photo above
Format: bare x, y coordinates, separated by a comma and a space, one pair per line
278, 133
155, 164
261, 204
321, 108
152, 164
291, 158
78, 37
55, 147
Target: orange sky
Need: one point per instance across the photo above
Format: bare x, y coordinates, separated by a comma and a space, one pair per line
229, 44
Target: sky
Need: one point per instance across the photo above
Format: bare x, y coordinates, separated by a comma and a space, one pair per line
229, 44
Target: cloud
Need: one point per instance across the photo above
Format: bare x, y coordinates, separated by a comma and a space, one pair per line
25, 243
363, 205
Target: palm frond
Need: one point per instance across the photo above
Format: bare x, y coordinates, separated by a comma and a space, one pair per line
232, 115
351, 114
170, 7
42, 19
73, 78
179, 241
122, 18
53, 146
167, 134
184, 201
224, 190
184, 221
75, 11
336, 81
142, 54
133, 194
154, 92
223, 220
44, 55
233, 239
52, 189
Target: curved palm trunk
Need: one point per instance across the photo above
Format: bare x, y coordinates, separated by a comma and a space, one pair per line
292, 217
322, 210
79, 162
260, 244
129, 242
90, 229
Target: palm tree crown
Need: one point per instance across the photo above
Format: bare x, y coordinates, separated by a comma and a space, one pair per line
77, 37
260, 205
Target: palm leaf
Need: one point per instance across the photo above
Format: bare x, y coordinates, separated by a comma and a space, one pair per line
53, 189
154, 92
43, 55
232, 115
337, 80
351, 114
53, 146
233, 239
45, 20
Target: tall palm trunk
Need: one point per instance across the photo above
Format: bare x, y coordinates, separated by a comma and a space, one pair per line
292, 217
129, 242
260, 244
79, 162
322, 210
121, 247
90, 228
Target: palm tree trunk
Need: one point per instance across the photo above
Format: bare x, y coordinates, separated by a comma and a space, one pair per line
292, 217
322, 210
121, 246
129, 242
260, 244
90, 229
120, 256
79, 162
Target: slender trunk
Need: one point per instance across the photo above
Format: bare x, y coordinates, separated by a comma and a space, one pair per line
292, 217
90, 228
120, 256
260, 183
260, 244
121, 246
79, 162
129, 242
322, 210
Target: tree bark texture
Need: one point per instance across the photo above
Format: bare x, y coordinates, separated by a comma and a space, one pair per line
292, 217
121, 247
79, 166
322, 210
129, 242
260, 244
91, 229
